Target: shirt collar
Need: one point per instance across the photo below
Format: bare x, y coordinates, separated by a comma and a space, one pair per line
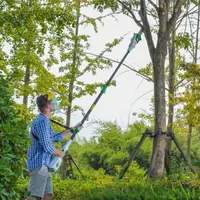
44, 115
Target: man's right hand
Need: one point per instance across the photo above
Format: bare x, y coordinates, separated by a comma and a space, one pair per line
59, 153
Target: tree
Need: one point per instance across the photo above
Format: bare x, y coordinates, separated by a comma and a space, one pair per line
158, 51
27, 29
187, 74
194, 56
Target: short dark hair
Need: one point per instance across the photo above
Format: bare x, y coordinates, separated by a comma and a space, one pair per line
42, 102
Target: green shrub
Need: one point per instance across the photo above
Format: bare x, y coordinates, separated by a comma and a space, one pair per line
13, 143
134, 186
139, 192
22, 185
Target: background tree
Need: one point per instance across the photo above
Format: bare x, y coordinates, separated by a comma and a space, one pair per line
27, 30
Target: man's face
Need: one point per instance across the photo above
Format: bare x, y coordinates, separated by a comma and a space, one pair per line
51, 107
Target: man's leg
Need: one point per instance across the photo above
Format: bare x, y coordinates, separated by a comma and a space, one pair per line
48, 194
48, 197
38, 181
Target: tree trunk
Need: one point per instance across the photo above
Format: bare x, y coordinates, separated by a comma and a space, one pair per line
71, 84
171, 100
68, 120
189, 140
158, 156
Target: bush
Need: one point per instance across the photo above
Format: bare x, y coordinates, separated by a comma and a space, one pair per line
138, 192
99, 186
13, 143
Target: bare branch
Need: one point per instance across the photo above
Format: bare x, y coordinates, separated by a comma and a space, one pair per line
184, 84
131, 13
150, 13
188, 13
153, 4
176, 13
99, 18
147, 29
178, 84
191, 36
132, 69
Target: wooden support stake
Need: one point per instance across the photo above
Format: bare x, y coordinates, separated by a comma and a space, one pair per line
183, 153
134, 153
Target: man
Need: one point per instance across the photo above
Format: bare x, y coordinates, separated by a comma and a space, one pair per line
42, 150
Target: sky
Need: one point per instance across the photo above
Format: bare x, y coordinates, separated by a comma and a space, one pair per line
120, 101
132, 93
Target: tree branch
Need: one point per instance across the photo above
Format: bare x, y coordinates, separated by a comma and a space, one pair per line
178, 84
99, 56
153, 4
188, 13
132, 69
150, 13
147, 29
98, 18
132, 14
176, 13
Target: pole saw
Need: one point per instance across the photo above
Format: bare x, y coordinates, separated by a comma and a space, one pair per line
56, 162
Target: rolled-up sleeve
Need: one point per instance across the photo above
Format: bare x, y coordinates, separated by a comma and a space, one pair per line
44, 136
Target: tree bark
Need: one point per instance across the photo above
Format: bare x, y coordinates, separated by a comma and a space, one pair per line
189, 140
171, 100
158, 157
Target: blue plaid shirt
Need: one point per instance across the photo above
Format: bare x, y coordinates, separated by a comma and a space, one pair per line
42, 149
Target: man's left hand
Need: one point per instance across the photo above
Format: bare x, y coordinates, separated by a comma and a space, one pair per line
79, 126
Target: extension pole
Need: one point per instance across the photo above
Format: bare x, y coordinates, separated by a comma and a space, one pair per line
59, 124
56, 162
135, 39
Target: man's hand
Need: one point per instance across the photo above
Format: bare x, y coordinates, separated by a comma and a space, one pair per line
68, 132
59, 153
78, 126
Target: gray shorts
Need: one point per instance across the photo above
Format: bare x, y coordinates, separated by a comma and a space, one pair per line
40, 182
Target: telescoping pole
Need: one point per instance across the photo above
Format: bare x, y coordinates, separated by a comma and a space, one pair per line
56, 162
